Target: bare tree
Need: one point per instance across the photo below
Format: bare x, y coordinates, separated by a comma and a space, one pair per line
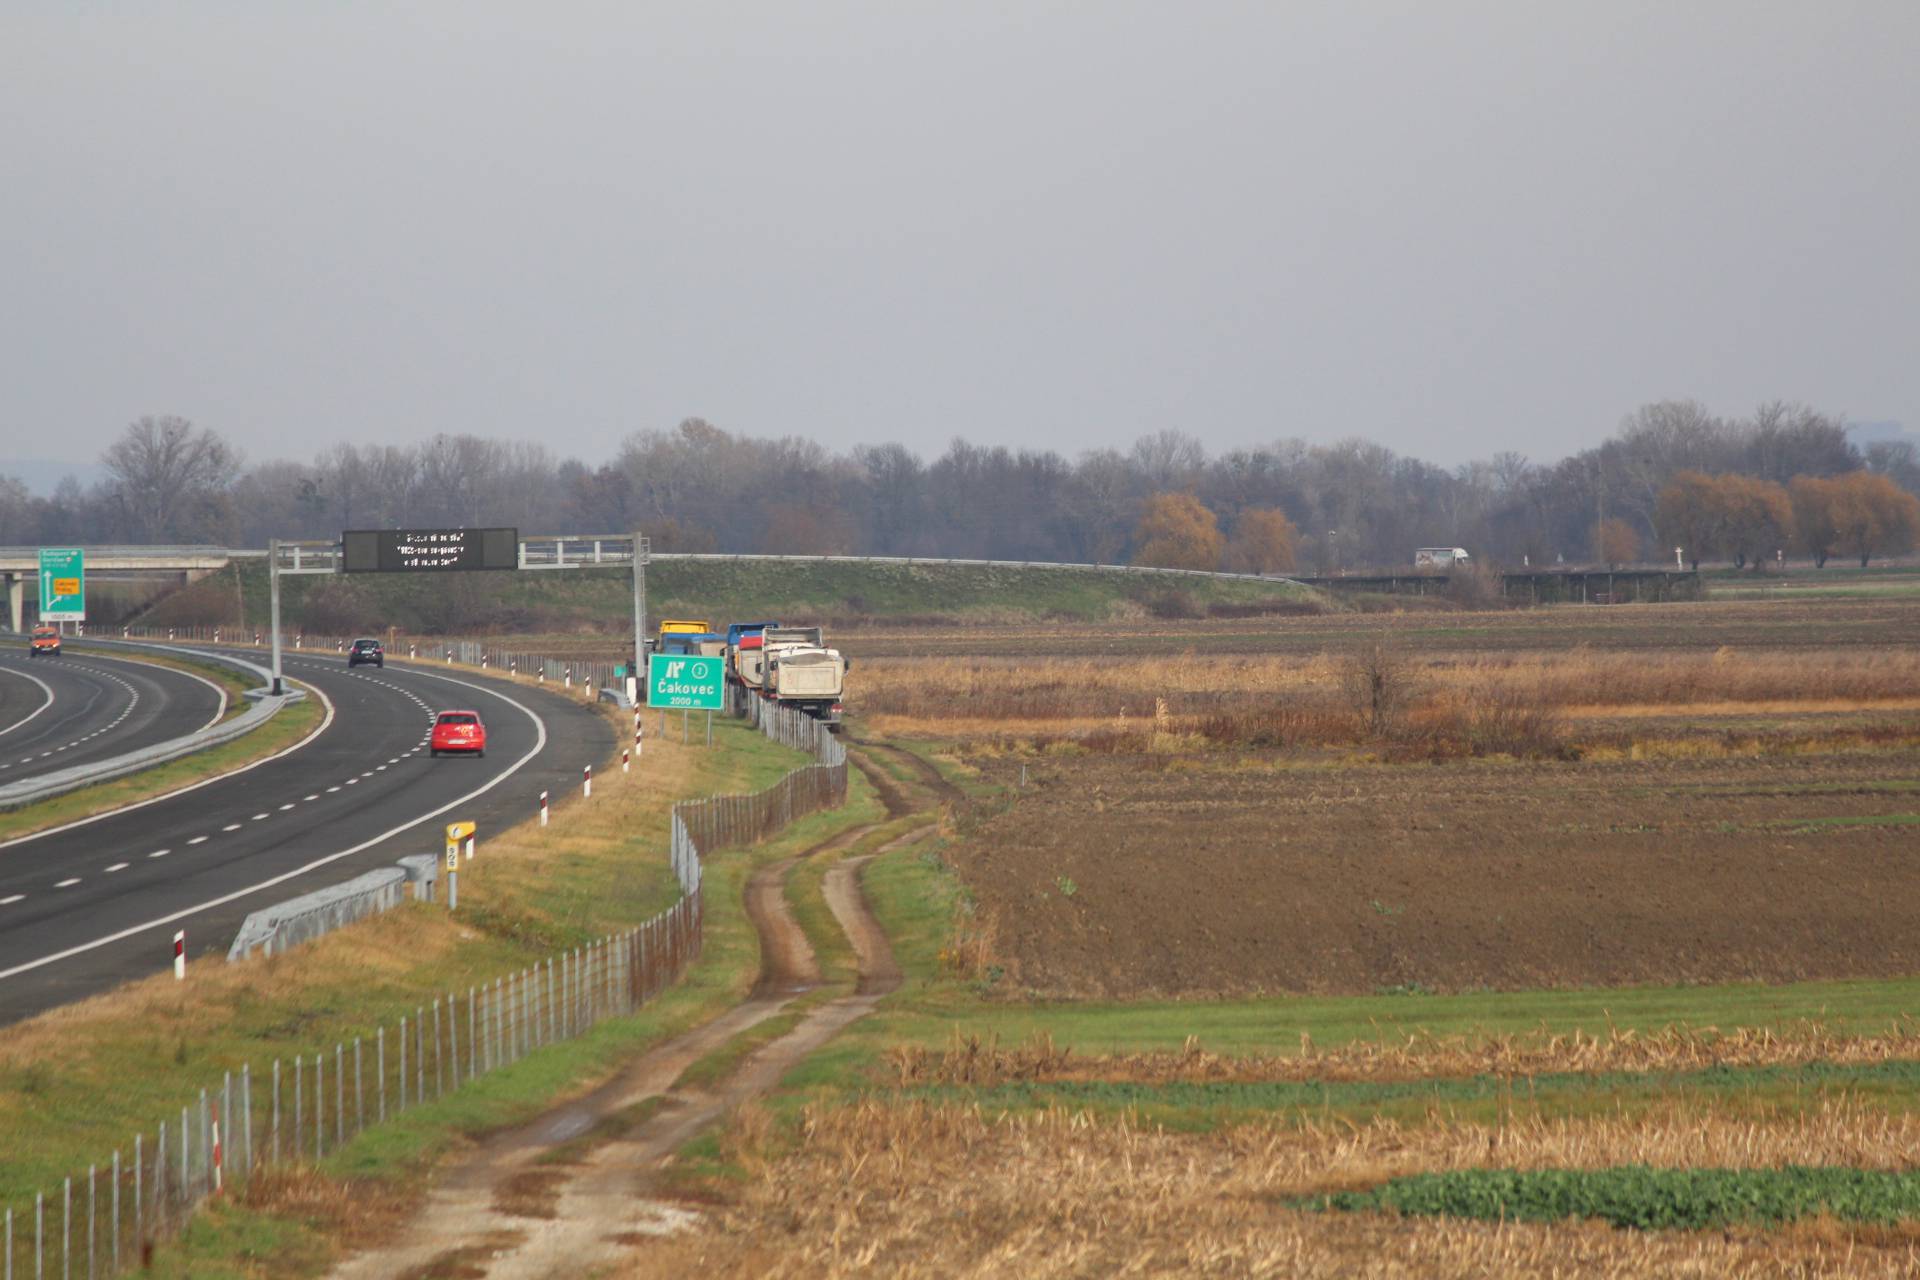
169, 478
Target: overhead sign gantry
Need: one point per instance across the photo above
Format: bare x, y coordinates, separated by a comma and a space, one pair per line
454, 550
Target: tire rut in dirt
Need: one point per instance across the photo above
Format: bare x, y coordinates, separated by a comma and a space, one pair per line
599, 1207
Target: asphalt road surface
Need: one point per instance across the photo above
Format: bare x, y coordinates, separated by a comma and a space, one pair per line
85, 907
79, 708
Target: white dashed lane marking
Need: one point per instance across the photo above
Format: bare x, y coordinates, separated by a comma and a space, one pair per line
10, 900
133, 701
198, 840
118, 866
68, 883
160, 853
231, 826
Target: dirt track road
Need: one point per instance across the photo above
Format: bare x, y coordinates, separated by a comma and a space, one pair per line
516, 1208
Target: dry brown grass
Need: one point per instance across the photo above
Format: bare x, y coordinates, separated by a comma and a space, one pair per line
972, 1061
1401, 703
917, 1190
1039, 686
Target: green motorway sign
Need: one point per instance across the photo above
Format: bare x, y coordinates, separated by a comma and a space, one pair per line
686, 683
63, 584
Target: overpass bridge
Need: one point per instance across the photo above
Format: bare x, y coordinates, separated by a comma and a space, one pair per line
20, 568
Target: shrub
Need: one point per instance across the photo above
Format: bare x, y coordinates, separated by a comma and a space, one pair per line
1474, 587
1379, 683
1175, 604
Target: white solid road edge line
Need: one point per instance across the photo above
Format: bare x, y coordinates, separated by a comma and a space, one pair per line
192, 786
539, 745
44, 688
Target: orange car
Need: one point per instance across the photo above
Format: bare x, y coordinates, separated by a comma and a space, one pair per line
458, 731
43, 640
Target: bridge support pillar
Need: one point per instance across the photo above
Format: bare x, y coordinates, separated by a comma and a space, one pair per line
16, 601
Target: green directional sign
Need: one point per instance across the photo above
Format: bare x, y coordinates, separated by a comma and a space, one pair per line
686, 683
63, 584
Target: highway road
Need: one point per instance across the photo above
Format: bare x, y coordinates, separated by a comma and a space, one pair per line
89, 905
77, 708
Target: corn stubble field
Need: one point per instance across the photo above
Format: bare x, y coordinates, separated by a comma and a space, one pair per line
1327, 832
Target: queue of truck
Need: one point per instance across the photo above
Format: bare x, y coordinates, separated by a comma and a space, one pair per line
789, 665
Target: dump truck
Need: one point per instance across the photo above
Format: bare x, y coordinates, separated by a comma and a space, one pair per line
671, 627
743, 639
810, 678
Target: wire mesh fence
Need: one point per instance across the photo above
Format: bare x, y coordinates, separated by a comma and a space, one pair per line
299, 1108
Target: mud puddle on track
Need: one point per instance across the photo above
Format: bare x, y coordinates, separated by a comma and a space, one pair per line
510, 1210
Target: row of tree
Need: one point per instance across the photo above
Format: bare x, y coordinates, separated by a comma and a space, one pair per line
1746, 519
1289, 505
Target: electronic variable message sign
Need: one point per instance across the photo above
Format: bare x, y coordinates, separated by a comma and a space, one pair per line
428, 550
63, 584
685, 683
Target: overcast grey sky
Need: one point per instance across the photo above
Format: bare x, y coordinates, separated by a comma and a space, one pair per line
1453, 228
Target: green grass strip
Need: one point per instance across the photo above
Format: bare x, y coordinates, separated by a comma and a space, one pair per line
1194, 1100
1644, 1198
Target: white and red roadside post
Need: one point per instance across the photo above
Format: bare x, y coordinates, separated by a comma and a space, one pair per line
483, 659
180, 956
219, 1156
625, 760
543, 808
586, 782
569, 677
638, 731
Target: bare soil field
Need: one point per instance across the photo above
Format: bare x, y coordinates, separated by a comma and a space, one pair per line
1130, 876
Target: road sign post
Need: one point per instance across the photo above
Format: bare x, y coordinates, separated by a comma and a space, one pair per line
63, 584
684, 682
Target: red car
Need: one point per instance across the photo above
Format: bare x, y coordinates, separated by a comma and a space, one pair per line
458, 731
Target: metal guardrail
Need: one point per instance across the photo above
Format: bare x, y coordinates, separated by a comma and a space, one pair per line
265, 706
309, 916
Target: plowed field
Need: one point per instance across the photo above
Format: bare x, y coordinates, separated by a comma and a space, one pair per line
1149, 875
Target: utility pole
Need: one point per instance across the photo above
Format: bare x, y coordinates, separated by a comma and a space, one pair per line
641, 550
